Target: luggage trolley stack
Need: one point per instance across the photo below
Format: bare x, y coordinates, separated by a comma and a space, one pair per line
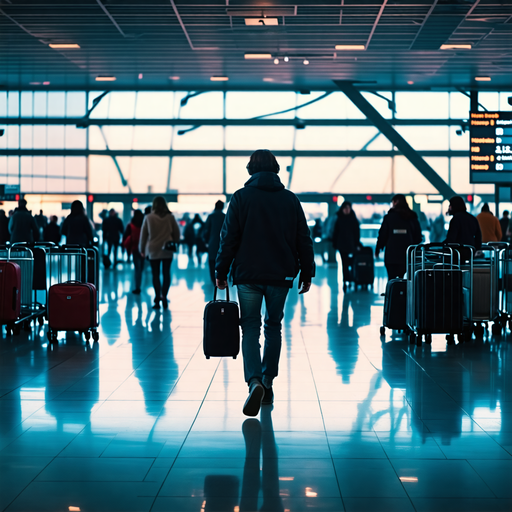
437, 292
505, 282
73, 294
29, 309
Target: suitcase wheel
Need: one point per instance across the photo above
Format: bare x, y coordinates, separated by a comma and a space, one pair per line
234, 357
412, 338
419, 340
382, 330
450, 339
428, 339
95, 336
207, 357
87, 335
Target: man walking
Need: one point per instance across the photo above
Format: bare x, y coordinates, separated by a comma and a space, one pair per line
211, 235
266, 238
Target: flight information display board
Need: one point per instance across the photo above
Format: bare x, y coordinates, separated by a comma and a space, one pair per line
490, 136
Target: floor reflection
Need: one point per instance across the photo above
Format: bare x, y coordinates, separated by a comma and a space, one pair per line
142, 421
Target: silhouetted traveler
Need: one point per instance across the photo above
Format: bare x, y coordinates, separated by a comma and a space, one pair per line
192, 238
113, 229
131, 244
265, 237
51, 232
346, 239
504, 222
464, 228
211, 235
4, 228
41, 221
400, 229
22, 226
77, 227
490, 226
158, 228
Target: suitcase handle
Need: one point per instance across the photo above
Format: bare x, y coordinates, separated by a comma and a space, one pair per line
215, 293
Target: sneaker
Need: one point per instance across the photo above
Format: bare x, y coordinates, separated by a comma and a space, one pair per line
253, 403
268, 397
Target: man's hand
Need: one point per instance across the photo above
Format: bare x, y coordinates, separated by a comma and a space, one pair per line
142, 255
304, 287
222, 284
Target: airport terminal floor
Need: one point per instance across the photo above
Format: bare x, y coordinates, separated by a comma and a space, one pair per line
142, 421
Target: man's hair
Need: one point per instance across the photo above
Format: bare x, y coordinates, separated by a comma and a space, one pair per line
262, 160
458, 205
219, 205
22, 203
505, 213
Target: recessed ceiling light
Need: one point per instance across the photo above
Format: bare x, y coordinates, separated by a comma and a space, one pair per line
46, 83
34, 83
268, 79
305, 62
483, 78
455, 47
410, 82
286, 59
105, 79
141, 76
257, 56
174, 78
219, 78
64, 46
276, 61
261, 22
350, 47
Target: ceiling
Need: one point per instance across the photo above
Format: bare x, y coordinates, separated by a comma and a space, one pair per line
144, 42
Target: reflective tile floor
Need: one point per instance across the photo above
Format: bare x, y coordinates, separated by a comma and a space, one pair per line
143, 422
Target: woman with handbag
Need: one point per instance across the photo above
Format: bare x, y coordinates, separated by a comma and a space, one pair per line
158, 238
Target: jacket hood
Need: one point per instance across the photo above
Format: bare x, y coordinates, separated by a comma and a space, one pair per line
265, 181
405, 214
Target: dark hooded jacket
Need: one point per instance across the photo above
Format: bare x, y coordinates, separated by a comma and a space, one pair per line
265, 235
464, 228
346, 235
400, 229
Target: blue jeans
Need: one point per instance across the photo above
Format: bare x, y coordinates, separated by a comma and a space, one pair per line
251, 297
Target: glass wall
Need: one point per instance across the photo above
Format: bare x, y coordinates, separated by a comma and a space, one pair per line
343, 155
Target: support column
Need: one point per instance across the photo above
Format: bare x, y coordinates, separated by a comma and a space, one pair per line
332, 208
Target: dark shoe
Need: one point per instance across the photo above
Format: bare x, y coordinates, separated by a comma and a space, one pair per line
268, 397
157, 304
253, 403
165, 303
136, 291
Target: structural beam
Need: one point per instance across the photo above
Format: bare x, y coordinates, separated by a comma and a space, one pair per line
395, 138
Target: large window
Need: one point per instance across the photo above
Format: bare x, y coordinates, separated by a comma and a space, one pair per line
324, 146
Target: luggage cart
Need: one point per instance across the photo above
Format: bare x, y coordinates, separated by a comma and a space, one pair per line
75, 264
486, 303
504, 283
30, 309
437, 294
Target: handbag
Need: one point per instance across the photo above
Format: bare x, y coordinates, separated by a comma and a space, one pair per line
170, 246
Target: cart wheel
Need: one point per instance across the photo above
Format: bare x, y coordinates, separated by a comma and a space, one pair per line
49, 336
26, 326
428, 339
419, 340
412, 338
496, 329
40, 320
479, 330
460, 337
382, 330
450, 339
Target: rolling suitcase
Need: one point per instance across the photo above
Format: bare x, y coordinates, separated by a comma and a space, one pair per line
395, 306
439, 301
10, 296
363, 267
221, 328
73, 306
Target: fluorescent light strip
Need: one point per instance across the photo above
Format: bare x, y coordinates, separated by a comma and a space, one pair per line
64, 46
105, 79
350, 47
483, 78
249, 56
261, 22
219, 78
455, 47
